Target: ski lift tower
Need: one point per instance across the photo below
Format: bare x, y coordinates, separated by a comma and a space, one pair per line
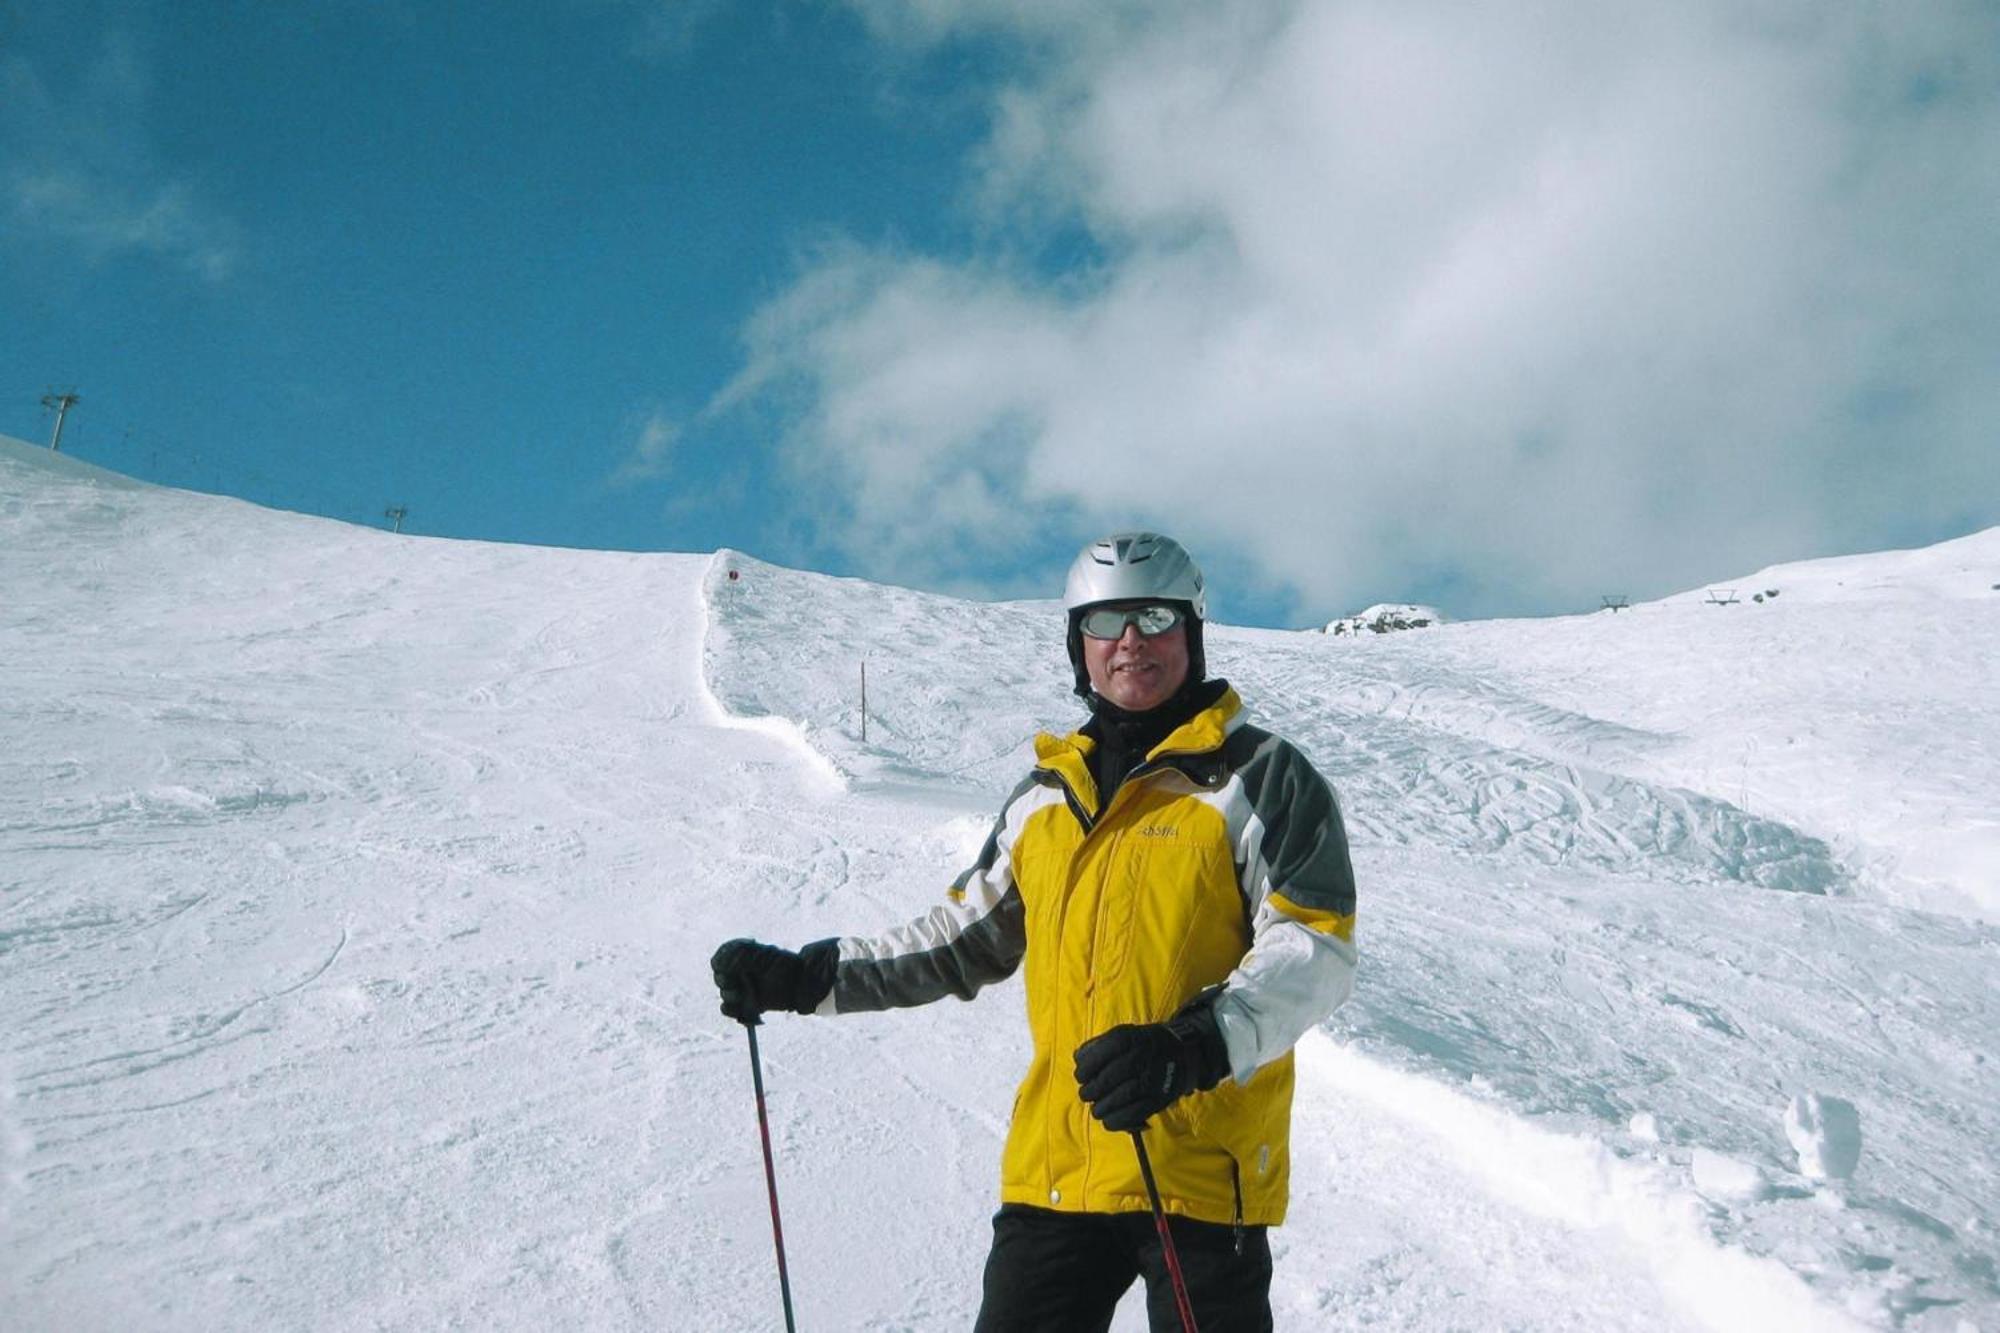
60, 404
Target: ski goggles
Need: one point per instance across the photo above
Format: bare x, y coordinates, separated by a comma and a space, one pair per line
1109, 622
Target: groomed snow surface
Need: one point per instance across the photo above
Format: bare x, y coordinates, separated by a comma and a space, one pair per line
356, 895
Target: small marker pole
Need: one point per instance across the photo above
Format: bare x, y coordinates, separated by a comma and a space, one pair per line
770, 1174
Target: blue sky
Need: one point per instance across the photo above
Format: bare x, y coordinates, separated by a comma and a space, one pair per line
1366, 302
457, 262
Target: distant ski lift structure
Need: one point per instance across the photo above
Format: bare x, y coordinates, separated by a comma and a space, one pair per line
396, 514
1723, 597
60, 404
1616, 602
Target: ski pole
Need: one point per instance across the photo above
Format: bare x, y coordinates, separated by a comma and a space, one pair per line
1166, 1238
770, 1173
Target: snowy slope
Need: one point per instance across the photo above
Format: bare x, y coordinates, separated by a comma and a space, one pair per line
356, 893
1858, 706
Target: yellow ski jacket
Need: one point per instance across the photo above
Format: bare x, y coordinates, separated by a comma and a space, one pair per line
1221, 860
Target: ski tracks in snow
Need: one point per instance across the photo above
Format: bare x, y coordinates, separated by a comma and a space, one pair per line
202, 1032
1426, 755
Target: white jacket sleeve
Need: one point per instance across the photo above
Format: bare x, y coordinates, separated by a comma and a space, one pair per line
1298, 885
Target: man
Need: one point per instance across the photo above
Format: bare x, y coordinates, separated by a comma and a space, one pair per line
1177, 884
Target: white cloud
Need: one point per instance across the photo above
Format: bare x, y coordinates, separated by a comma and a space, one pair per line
925, 22
652, 453
105, 218
80, 171
672, 29
1542, 300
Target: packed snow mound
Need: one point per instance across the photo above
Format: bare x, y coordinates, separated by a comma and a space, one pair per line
1963, 569
1387, 618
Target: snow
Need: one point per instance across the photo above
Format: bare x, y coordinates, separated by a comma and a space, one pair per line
1826, 1133
356, 893
1727, 1179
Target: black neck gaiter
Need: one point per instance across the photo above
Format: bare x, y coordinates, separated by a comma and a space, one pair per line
1125, 738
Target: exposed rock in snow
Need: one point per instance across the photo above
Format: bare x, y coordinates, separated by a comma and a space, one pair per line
1826, 1132
1385, 617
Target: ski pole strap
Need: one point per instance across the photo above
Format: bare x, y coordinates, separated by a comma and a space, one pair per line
770, 1175
1173, 1258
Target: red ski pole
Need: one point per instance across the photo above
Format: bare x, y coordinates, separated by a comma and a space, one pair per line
1166, 1238
771, 1174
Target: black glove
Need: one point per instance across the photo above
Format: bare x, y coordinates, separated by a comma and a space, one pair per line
757, 978
1137, 1070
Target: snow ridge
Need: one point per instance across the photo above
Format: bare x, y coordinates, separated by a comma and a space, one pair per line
717, 586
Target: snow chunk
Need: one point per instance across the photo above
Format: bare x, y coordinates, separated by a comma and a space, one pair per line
1645, 1126
1826, 1132
1724, 1178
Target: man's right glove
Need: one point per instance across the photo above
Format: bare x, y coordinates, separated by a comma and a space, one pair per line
1136, 1070
757, 978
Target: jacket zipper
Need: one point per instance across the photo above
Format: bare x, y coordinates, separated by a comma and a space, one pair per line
1158, 764
1075, 806
1086, 823
1236, 1181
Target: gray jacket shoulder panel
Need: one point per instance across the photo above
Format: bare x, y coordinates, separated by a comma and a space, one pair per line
1304, 839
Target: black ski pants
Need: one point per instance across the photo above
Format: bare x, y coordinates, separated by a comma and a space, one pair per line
1051, 1272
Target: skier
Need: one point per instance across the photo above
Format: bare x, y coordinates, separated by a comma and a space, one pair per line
1177, 883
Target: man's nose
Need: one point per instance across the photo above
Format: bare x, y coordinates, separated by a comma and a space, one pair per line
1130, 637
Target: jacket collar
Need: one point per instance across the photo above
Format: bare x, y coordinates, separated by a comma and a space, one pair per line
1202, 734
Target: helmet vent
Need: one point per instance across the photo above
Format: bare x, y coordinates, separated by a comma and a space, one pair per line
1135, 566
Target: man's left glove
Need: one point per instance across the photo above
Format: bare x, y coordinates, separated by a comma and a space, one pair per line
757, 978
1137, 1070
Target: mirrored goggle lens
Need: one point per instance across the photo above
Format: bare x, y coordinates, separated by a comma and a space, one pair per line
1109, 622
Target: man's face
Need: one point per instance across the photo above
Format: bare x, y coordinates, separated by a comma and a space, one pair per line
1135, 671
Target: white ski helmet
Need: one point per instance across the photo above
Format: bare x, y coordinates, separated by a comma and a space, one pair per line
1135, 566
